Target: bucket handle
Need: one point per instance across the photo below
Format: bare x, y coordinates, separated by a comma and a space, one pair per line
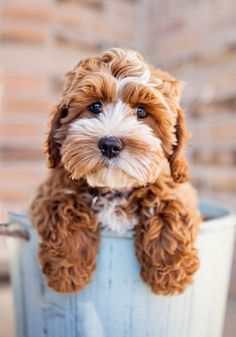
7, 230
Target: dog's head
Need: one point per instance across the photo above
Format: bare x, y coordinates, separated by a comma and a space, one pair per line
117, 122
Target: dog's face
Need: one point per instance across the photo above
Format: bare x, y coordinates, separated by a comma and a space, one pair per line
118, 122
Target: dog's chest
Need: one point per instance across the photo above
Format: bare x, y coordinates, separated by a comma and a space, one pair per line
112, 213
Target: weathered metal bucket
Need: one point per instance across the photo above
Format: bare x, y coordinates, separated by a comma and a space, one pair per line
117, 303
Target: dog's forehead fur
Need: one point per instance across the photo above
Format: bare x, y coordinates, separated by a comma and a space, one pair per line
104, 77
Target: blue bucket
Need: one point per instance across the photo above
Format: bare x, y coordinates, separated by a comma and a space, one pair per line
117, 303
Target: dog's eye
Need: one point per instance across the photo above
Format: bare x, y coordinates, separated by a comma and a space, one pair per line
64, 111
141, 113
96, 108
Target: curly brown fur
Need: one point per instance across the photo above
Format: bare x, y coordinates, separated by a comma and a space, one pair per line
165, 238
69, 232
158, 201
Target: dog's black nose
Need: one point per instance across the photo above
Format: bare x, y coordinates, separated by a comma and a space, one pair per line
110, 146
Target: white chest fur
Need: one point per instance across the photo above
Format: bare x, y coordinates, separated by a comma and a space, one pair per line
111, 215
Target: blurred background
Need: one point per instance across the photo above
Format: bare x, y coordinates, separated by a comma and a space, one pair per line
41, 40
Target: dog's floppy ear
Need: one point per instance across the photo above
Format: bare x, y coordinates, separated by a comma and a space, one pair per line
178, 163
52, 145
171, 90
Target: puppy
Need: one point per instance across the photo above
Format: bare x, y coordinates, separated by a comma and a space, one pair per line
115, 149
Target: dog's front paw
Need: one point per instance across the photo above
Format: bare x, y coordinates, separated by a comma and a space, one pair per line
63, 274
171, 279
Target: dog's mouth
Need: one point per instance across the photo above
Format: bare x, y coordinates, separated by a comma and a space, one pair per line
126, 172
112, 177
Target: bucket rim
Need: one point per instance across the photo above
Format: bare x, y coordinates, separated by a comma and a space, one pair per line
226, 217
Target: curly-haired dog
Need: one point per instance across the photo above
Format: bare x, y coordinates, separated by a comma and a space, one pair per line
115, 149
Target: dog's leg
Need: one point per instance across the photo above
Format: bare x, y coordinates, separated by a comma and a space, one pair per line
165, 246
70, 240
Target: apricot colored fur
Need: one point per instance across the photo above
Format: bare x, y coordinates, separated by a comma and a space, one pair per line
167, 209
